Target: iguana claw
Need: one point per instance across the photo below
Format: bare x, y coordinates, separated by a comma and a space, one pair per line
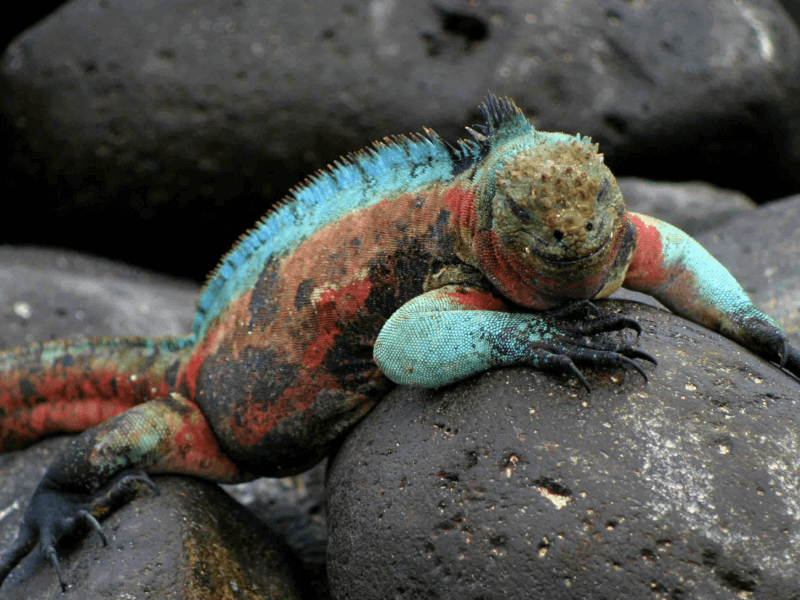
54, 513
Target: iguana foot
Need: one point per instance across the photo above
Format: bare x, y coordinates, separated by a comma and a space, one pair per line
54, 513
771, 343
563, 354
573, 310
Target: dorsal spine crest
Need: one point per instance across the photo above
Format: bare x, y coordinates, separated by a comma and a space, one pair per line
504, 121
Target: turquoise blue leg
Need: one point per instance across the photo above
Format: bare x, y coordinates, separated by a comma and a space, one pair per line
673, 268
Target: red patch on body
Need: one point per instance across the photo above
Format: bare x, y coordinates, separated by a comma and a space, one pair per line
477, 300
194, 449
525, 285
334, 306
647, 268
461, 203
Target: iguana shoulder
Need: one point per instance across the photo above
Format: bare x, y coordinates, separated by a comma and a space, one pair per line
397, 165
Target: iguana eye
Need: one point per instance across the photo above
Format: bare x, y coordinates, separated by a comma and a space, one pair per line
589, 227
603, 193
520, 213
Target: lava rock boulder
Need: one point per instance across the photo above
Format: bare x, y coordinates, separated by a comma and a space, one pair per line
518, 484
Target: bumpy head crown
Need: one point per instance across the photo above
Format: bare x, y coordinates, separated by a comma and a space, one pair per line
557, 202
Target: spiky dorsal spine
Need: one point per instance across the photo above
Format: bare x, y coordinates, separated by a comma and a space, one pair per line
392, 166
504, 120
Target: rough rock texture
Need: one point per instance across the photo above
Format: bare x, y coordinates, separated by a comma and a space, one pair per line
157, 131
47, 294
513, 486
294, 508
191, 541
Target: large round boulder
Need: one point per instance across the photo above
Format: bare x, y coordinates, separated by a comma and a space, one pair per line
517, 484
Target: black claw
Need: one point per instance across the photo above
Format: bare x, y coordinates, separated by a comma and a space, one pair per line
94, 524
579, 375
634, 353
785, 352
52, 558
606, 325
632, 324
632, 364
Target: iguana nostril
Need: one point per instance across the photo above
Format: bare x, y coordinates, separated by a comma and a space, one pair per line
589, 226
558, 235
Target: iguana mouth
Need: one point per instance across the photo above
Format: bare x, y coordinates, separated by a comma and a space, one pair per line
549, 258
539, 248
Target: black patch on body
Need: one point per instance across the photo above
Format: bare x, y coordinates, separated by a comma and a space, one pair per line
303, 292
27, 388
263, 309
626, 248
230, 392
462, 161
64, 361
440, 233
258, 377
171, 374
350, 359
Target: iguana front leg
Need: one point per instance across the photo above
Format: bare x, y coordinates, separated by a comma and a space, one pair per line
676, 270
451, 333
106, 463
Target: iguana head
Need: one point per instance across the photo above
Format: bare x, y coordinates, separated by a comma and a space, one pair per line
557, 219
556, 206
551, 217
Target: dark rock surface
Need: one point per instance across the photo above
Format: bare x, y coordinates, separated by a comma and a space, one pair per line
48, 293
157, 132
517, 484
294, 508
190, 541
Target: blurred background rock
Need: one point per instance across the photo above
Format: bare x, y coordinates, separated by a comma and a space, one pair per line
157, 131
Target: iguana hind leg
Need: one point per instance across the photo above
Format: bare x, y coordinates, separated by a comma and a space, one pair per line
104, 466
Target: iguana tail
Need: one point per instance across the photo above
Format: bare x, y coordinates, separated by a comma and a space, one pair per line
69, 386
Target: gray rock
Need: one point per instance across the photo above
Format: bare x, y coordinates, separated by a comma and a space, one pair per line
793, 8
694, 207
190, 541
161, 130
294, 507
47, 294
517, 484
